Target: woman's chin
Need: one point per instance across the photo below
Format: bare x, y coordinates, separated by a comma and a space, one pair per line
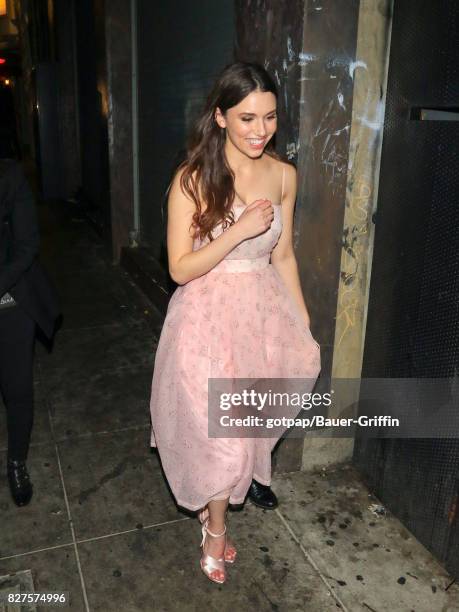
255, 153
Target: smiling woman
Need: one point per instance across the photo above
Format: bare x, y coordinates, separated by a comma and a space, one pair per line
245, 127
240, 112
239, 311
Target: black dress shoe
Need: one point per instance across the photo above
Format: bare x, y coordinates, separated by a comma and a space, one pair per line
262, 496
19, 481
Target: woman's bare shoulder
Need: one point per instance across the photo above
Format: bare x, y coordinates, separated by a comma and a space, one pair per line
178, 189
285, 171
179, 178
178, 175
279, 166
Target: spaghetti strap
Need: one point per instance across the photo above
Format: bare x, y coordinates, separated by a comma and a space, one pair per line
283, 180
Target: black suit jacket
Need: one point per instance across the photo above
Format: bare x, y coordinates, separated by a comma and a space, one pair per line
21, 274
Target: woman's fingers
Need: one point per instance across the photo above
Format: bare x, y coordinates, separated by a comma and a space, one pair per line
255, 204
269, 215
263, 202
257, 216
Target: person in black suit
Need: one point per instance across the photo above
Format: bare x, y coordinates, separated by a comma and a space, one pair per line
27, 300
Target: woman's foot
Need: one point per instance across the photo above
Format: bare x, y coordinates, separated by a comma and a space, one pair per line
212, 559
230, 550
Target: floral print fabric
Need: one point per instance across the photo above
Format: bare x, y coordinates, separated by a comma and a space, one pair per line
240, 321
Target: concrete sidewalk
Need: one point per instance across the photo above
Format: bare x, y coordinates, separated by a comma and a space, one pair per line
102, 524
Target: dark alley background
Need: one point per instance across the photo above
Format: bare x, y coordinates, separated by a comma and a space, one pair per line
103, 526
96, 100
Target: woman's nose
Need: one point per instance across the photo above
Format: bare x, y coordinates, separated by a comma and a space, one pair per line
260, 129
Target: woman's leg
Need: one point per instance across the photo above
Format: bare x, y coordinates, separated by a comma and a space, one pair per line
215, 546
217, 514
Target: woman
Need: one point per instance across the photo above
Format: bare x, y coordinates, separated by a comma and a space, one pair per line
26, 299
238, 310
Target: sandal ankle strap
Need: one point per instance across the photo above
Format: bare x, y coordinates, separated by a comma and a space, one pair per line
214, 535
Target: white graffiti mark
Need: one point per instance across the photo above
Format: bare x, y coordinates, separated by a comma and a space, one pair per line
306, 58
355, 244
291, 54
318, 133
276, 74
291, 150
284, 65
323, 118
331, 158
339, 61
346, 127
325, 145
373, 125
377, 122
334, 161
341, 101
354, 65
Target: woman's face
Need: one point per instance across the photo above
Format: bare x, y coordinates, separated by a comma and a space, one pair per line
251, 124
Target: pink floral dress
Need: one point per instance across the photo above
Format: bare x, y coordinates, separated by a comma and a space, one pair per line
238, 320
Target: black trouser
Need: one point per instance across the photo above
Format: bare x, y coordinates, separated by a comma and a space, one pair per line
17, 334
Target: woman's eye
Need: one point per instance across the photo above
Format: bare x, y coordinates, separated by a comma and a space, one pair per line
247, 119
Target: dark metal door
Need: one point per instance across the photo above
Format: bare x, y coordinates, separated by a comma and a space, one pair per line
93, 117
46, 130
413, 314
182, 46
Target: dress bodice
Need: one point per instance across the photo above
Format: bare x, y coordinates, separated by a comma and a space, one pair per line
256, 248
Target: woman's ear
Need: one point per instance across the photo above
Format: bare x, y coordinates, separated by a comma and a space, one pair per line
219, 118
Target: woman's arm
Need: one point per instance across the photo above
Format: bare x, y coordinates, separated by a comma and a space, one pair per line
24, 229
283, 256
184, 263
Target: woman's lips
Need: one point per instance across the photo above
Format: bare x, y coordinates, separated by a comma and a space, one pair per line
256, 143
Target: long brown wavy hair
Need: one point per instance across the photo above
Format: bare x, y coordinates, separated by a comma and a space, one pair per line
206, 173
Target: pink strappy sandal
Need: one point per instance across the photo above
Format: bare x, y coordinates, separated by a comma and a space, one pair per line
211, 564
230, 550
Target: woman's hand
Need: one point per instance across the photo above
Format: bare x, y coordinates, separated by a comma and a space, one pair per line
255, 219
